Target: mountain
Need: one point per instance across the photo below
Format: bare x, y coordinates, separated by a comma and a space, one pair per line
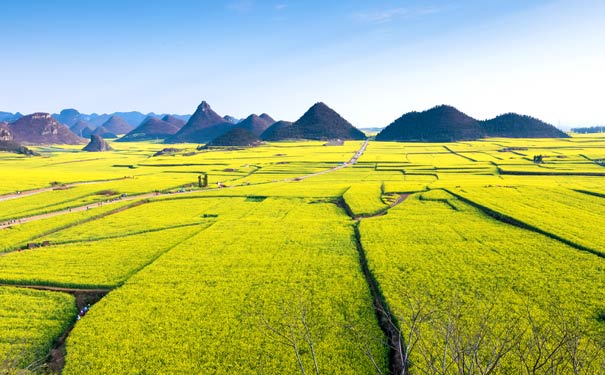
39, 128
320, 122
231, 119
97, 144
82, 128
97, 120
236, 137
101, 131
68, 116
204, 125
178, 122
277, 130
117, 125
438, 124
267, 118
512, 125
9, 117
152, 128
256, 124
132, 118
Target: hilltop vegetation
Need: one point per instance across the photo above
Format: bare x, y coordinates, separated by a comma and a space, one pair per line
447, 124
439, 124
320, 122
512, 125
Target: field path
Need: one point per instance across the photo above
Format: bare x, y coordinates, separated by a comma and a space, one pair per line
87, 207
27, 193
91, 206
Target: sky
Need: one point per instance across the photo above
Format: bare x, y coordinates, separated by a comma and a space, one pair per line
371, 61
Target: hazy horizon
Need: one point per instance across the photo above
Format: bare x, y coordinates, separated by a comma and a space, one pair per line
371, 62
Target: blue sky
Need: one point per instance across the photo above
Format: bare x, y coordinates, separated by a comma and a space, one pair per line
370, 60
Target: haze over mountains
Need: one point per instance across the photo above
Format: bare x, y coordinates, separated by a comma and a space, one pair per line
133, 118
154, 128
439, 124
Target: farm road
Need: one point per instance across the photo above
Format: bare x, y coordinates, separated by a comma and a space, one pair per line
91, 206
27, 193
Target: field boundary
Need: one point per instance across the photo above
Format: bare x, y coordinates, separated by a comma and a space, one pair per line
523, 225
386, 320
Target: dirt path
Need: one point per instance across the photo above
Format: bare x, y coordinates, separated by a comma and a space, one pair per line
91, 206
87, 207
27, 193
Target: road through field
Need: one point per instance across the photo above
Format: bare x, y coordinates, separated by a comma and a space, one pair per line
90, 206
26, 193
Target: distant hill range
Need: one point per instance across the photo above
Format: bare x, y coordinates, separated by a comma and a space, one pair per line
236, 137
447, 124
70, 116
439, 124
9, 117
320, 122
38, 128
205, 125
154, 128
589, 130
82, 128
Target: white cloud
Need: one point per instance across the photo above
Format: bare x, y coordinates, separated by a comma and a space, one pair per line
241, 6
280, 6
388, 15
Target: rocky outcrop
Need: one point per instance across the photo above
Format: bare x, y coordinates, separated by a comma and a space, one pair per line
97, 144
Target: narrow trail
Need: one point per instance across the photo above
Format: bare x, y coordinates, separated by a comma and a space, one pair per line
91, 206
27, 193
87, 207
